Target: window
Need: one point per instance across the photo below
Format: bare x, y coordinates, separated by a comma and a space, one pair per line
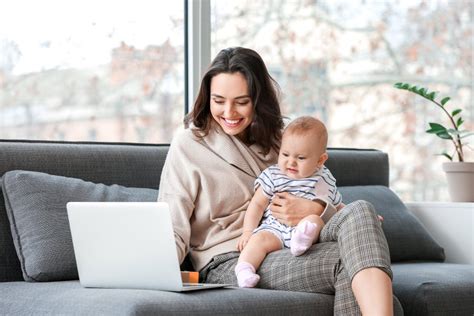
91, 70
114, 71
339, 59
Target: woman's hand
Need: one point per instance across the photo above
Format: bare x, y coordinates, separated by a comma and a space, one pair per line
244, 239
290, 209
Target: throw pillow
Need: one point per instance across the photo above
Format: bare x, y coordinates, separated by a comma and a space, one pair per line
407, 238
36, 208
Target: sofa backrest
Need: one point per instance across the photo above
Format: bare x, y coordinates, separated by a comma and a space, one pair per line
138, 165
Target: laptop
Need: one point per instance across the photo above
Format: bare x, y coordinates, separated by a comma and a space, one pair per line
127, 245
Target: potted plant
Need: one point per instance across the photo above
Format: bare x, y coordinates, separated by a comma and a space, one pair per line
460, 174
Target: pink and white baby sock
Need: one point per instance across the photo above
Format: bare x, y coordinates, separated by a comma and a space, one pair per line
246, 276
303, 237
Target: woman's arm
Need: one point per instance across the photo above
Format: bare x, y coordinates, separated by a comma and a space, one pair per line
179, 185
290, 209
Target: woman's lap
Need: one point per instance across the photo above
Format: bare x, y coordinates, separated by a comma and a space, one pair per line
321, 269
314, 271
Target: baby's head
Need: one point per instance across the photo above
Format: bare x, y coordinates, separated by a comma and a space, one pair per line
303, 147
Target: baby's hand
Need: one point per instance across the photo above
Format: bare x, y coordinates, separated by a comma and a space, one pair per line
244, 239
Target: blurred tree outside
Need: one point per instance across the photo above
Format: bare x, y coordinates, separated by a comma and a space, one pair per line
338, 60
92, 72
82, 73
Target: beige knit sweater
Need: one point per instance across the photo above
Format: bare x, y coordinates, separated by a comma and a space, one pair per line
208, 184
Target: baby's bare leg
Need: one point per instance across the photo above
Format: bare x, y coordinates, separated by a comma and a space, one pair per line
306, 234
259, 245
252, 256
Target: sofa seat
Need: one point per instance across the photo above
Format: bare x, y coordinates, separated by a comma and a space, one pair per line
69, 298
434, 288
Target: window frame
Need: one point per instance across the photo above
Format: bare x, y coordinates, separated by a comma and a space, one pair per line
197, 46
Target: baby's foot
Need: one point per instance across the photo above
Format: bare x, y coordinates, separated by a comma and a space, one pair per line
246, 276
303, 238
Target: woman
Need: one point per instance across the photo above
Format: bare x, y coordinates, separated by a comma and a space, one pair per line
234, 134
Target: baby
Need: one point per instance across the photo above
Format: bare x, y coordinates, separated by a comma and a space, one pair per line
301, 172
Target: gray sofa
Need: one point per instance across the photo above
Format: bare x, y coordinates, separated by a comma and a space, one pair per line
35, 241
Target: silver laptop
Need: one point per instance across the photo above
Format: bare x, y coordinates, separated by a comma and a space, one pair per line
127, 245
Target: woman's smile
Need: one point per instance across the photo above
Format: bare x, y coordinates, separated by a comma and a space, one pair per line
232, 122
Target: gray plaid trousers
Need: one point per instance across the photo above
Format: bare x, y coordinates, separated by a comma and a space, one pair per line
351, 241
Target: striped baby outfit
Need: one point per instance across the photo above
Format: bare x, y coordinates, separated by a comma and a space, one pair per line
321, 185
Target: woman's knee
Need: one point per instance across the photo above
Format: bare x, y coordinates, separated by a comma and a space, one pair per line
362, 208
356, 215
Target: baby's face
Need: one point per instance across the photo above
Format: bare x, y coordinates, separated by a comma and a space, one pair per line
299, 157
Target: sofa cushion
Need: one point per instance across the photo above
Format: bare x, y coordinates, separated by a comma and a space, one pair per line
432, 288
407, 238
68, 297
36, 208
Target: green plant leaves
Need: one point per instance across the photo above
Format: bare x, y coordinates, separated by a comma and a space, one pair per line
455, 112
454, 134
439, 130
401, 85
435, 127
445, 154
444, 135
431, 95
418, 90
445, 100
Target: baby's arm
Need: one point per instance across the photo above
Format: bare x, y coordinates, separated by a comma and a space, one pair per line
253, 215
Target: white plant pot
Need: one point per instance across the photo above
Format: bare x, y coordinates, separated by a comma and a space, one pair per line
460, 176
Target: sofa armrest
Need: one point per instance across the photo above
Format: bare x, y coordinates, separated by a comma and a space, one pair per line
451, 225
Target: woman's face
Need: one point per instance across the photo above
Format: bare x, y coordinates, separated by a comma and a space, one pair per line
231, 105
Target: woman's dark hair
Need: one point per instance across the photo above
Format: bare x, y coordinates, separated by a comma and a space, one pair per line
267, 124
